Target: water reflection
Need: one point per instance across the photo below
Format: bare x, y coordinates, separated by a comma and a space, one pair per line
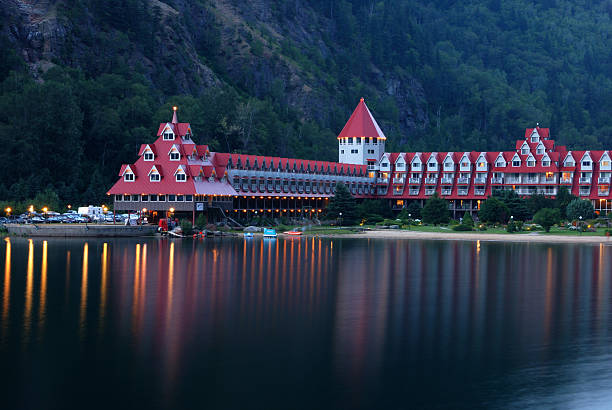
370, 317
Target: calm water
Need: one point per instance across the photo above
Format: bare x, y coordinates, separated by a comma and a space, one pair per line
304, 323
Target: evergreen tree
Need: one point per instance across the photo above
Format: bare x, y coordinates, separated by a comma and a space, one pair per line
435, 210
342, 203
547, 217
579, 208
494, 210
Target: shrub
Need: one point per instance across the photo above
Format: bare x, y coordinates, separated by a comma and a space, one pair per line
201, 221
461, 227
435, 210
579, 208
186, 227
547, 217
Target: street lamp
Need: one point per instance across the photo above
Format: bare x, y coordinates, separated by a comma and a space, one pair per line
409, 219
8, 211
580, 224
31, 209
340, 218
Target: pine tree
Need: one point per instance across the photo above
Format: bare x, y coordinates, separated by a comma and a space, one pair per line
435, 210
342, 202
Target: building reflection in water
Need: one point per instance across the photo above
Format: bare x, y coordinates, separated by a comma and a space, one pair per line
370, 303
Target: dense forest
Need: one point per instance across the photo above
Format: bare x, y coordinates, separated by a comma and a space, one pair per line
83, 83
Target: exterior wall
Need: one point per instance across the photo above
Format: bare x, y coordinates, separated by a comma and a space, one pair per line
366, 149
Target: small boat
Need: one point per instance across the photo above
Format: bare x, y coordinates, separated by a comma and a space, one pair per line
295, 233
269, 233
248, 234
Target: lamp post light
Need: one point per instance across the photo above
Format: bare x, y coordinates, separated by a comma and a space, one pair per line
409, 219
580, 223
8, 211
340, 218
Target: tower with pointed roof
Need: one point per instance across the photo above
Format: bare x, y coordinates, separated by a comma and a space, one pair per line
361, 141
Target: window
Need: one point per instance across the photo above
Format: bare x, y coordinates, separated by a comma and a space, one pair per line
171, 198
545, 163
188, 198
148, 156
127, 198
180, 177
416, 165
342, 151
180, 198
161, 198
128, 177
481, 164
605, 163
118, 198
500, 164
465, 165
175, 156
134, 198
144, 198
524, 150
187, 136
400, 165
586, 163
535, 138
369, 140
374, 141
448, 165
168, 136
354, 151
384, 164
540, 150
350, 140
154, 177
570, 163
432, 165
370, 151
531, 163
153, 198
516, 163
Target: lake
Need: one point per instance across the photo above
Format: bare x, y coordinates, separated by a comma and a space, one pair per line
304, 323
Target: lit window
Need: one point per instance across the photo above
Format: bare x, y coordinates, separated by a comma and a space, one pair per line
464, 164
128, 177
481, 164
605, 164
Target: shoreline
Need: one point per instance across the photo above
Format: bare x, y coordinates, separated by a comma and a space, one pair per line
467, 236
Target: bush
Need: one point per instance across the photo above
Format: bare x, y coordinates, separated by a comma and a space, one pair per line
579, 208
435, 210
461, 227
201, 221
186, 227
494, 210
547, 217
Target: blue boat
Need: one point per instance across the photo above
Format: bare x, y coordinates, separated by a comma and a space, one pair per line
248, 234
269, 233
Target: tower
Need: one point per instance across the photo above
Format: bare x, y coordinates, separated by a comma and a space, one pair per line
361, 141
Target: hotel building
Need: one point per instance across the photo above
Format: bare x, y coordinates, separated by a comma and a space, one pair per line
174, 175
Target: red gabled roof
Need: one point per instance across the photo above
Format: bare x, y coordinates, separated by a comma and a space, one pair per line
361, 124
542, 132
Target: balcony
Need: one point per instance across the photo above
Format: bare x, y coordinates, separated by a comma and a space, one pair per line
413, 191
383, 180
447, 180
431, 180
549, 180
498, 180
399, 180
463, 180
584, 192
479, 192
604, 180
603, 192
480, 180
530, 180
526, 191
513, 180
585, 180
414, 180
462, 192
397, 191
446, 191
430, 191
566, 180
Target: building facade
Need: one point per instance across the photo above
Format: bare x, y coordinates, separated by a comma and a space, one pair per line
174, 175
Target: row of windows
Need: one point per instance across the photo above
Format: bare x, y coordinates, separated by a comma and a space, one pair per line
154, 198
358, 140
154, 177
169, 136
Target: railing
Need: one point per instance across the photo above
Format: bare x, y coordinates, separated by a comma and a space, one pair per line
463, 180
566, 180
511, 180
462, 192
414, 180
480, 180
398, 191
431, 180
531, 180
398, 180
414, 192
498, 180
447, 180
604, 193
604, 180
526, 191
547, 180
479, 192
447, 191
584, 192
429, 191
585, 180
383, 180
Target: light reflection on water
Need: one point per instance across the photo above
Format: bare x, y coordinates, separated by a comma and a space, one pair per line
349, 323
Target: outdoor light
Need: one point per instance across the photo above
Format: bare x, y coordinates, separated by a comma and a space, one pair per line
44, 209
8, 211
31, 209
144, 209
69, 206
171, 210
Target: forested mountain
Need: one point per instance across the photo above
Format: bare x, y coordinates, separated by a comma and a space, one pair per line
84, 82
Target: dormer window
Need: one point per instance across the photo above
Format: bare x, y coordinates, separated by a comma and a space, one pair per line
432, 165
545, 163
586, 163
384, 164
416, 165
569, 163
148, 156
605, 163
500, 164
168, 136
531, 163
400, 165
540, 149
181, 177
465, 164
154, 177
525, 150
175, 156
516, 163
187, 137
128, 177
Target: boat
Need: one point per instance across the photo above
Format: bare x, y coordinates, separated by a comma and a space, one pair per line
295, 233
248, 234
269, 233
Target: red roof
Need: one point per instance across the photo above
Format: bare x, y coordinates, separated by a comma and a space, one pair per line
361, 124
